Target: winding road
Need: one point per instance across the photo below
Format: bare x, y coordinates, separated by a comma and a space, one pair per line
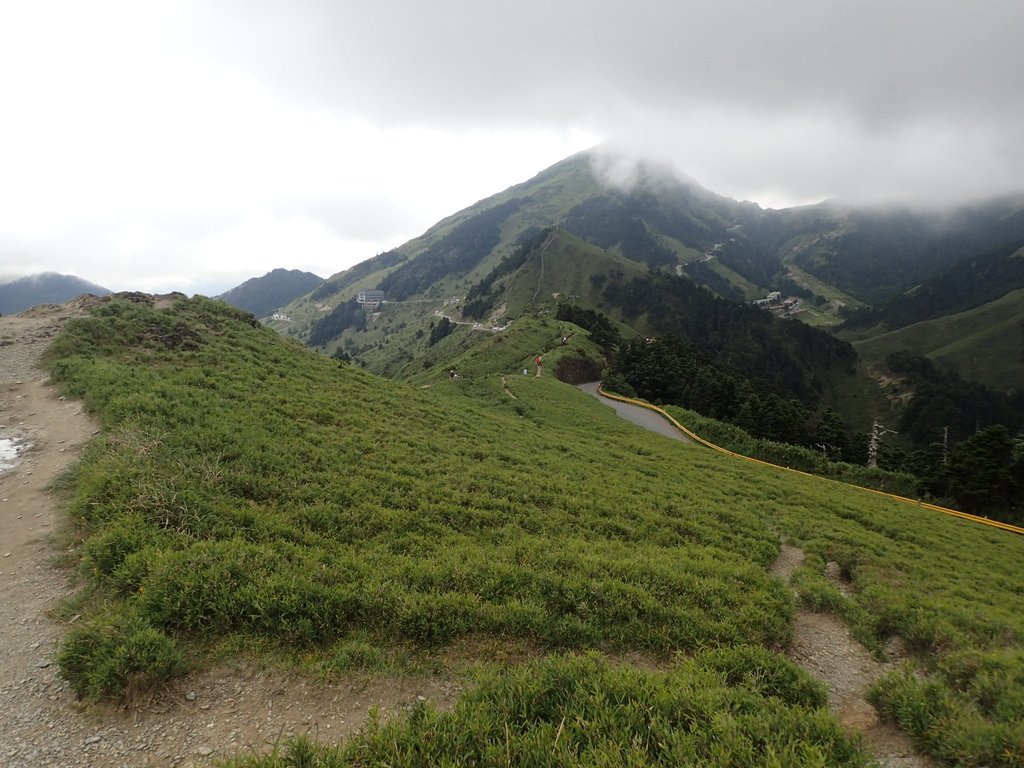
637, 415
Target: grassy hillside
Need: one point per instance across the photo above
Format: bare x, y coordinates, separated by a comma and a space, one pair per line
396, 338
983, 344
247, 491
509, 352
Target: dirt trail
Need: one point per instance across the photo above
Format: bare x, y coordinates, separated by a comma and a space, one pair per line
193, 722
504, 385
822, 645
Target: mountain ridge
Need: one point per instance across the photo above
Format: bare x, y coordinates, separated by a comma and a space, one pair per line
262, 295
22, 293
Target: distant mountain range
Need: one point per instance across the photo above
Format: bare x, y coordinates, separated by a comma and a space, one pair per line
835, 260
262, 295
659, 257
965, 285
44, 288
984, 343
968, 319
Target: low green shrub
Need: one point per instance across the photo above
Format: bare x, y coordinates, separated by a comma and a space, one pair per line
357, 652
992, 680
947, 724
116, 653
615, 382
766, 673
740, 707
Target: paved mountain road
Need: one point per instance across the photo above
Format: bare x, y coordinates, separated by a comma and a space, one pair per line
637, 415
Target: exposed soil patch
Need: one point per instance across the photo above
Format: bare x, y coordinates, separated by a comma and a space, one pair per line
822, 645
896, 387
790, 558
194, 721
834, 573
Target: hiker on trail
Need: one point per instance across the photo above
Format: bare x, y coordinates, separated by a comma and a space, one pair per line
538, 363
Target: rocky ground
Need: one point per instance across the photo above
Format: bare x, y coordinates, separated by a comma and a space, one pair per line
208, 715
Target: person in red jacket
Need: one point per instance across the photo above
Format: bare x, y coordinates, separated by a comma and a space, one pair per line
537, 360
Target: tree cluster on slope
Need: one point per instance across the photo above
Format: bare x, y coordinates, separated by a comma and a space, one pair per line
608, 222
984, 474
439, 331
602, 330
943, 400
788, 357
454, 254
673, 370
347, 315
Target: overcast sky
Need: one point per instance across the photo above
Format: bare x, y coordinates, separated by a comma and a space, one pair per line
191, 145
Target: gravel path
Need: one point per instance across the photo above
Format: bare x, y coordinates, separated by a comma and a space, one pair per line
196, 720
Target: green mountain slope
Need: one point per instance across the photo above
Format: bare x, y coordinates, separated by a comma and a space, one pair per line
660, 221
967, 284
983, 344
834, 259
245, 487
967, 319
568, 235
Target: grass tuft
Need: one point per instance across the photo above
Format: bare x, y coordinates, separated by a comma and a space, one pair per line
118, 654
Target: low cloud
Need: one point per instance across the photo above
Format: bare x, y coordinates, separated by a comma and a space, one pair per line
145, 144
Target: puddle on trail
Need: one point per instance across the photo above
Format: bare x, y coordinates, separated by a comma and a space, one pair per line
9, 450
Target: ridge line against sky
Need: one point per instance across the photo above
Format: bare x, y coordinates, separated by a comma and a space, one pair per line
191, 145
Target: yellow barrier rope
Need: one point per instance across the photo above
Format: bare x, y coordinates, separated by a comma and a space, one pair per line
727, 452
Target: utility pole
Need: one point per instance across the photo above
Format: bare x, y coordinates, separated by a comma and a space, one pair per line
877, 430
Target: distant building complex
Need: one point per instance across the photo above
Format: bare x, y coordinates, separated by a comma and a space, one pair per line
778, 305
370, 299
